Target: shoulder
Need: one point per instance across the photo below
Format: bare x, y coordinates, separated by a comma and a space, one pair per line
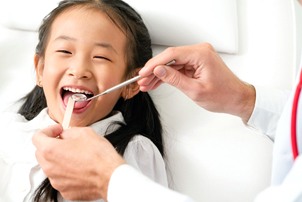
7, 118
143, 155
141, 142
10, 123
142, 146
141, 149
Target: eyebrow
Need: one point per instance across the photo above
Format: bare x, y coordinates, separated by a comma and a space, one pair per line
99, 44
105, 45
64, 37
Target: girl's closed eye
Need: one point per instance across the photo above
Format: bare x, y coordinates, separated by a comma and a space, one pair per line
101, 57
64, 51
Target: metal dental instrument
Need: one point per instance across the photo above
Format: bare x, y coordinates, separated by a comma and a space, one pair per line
79, 97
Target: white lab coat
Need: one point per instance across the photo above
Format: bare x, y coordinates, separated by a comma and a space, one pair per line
20, 174
272, 116
286, 181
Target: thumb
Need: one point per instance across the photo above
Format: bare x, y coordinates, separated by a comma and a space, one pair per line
48, 133
173, 77
52, 131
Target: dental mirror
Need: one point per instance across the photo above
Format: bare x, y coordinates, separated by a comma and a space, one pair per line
79, 97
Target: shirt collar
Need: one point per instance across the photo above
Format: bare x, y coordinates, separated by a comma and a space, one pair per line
106, 125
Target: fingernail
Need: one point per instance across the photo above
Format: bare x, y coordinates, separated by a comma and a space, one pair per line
160, 72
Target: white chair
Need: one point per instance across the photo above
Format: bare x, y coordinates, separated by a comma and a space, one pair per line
212, 157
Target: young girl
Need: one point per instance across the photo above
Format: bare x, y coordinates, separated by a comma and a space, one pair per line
85, 46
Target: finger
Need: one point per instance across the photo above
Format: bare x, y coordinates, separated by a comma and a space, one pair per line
145, 81
173, 77
74, 132
67, 133
147, 70
150, 85
163, 58
40, 158
51, 131
152, 82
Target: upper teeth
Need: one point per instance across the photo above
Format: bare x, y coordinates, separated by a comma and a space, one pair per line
76, 90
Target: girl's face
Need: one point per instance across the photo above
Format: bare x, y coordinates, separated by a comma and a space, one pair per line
85, 53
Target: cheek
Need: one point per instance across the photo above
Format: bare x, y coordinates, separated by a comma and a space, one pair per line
108, 79
50, 64
52, 71
105, 105
109, 100
51, 80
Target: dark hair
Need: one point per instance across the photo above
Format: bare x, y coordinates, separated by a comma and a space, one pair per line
140, 114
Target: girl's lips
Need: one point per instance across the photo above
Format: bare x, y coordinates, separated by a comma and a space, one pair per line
68, 91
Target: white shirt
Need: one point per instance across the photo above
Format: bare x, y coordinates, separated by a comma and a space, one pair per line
20, 173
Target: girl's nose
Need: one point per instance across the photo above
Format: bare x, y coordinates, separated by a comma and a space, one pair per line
80, 71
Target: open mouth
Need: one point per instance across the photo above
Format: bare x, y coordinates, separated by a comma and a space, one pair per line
66, 92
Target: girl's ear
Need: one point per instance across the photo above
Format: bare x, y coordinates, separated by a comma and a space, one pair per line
132, 89
39, 66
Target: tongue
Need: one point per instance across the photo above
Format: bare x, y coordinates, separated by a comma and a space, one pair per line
77, 105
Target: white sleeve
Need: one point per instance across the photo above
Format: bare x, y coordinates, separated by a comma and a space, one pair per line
268, 109
143, 155
290, 190
127, 184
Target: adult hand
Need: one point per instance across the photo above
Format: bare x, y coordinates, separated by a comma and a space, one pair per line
79, 164
201, 74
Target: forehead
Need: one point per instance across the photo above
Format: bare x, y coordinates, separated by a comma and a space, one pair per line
85, 16
86, 22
